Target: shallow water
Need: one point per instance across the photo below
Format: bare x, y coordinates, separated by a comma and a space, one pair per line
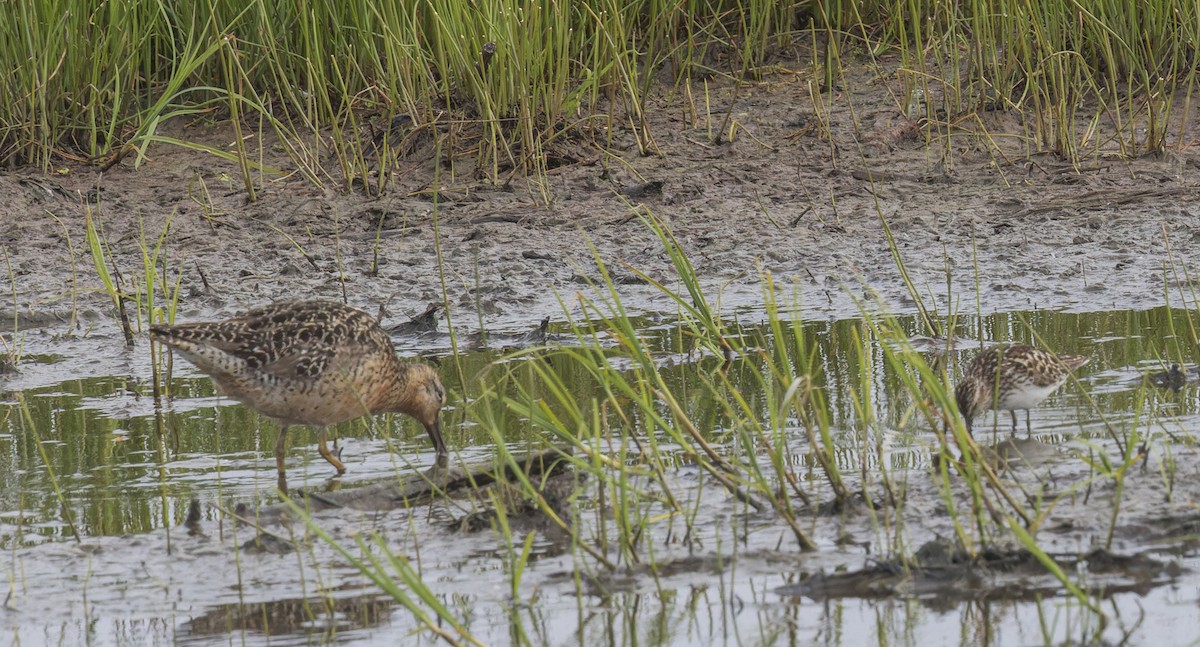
98, 455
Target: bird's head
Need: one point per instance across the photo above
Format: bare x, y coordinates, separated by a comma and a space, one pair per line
422, 396
968, 398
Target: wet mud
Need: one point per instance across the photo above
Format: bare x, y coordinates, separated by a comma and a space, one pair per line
942, 575
780, 198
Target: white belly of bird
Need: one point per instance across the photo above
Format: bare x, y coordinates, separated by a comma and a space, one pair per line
1026, 397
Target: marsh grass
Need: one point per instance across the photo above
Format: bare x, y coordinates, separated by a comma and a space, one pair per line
1086, 73
502, 84
152, 294
757, 399
397, 577
110, 281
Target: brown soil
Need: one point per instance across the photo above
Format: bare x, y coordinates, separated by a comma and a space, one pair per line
779, 197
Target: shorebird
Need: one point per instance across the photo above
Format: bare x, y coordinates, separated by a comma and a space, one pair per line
313, 363
1012, 377
1174, 379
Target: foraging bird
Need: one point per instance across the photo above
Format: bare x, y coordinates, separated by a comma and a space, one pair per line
1174, 379
313, 363
1012, 377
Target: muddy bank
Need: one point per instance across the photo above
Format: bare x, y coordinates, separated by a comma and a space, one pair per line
780, 198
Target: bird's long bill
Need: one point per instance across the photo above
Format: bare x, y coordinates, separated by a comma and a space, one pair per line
434, 429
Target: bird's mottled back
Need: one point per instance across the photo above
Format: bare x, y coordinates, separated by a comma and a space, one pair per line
300, 340
312, 363
1012, 377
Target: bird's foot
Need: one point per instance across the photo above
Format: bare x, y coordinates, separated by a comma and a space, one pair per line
441, 474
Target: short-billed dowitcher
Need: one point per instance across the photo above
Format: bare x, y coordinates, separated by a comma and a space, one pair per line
313, 363
1012, 377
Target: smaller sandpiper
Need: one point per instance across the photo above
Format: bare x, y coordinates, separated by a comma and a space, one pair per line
1012, 377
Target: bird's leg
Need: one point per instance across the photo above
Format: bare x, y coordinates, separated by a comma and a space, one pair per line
281, 447
1013, 412
1028, 426
328, 455
280, 450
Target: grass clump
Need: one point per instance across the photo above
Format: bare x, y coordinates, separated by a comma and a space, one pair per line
509, 87
502, 79
767, 434
1093, 76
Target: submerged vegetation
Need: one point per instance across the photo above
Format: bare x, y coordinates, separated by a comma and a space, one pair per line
510, 87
